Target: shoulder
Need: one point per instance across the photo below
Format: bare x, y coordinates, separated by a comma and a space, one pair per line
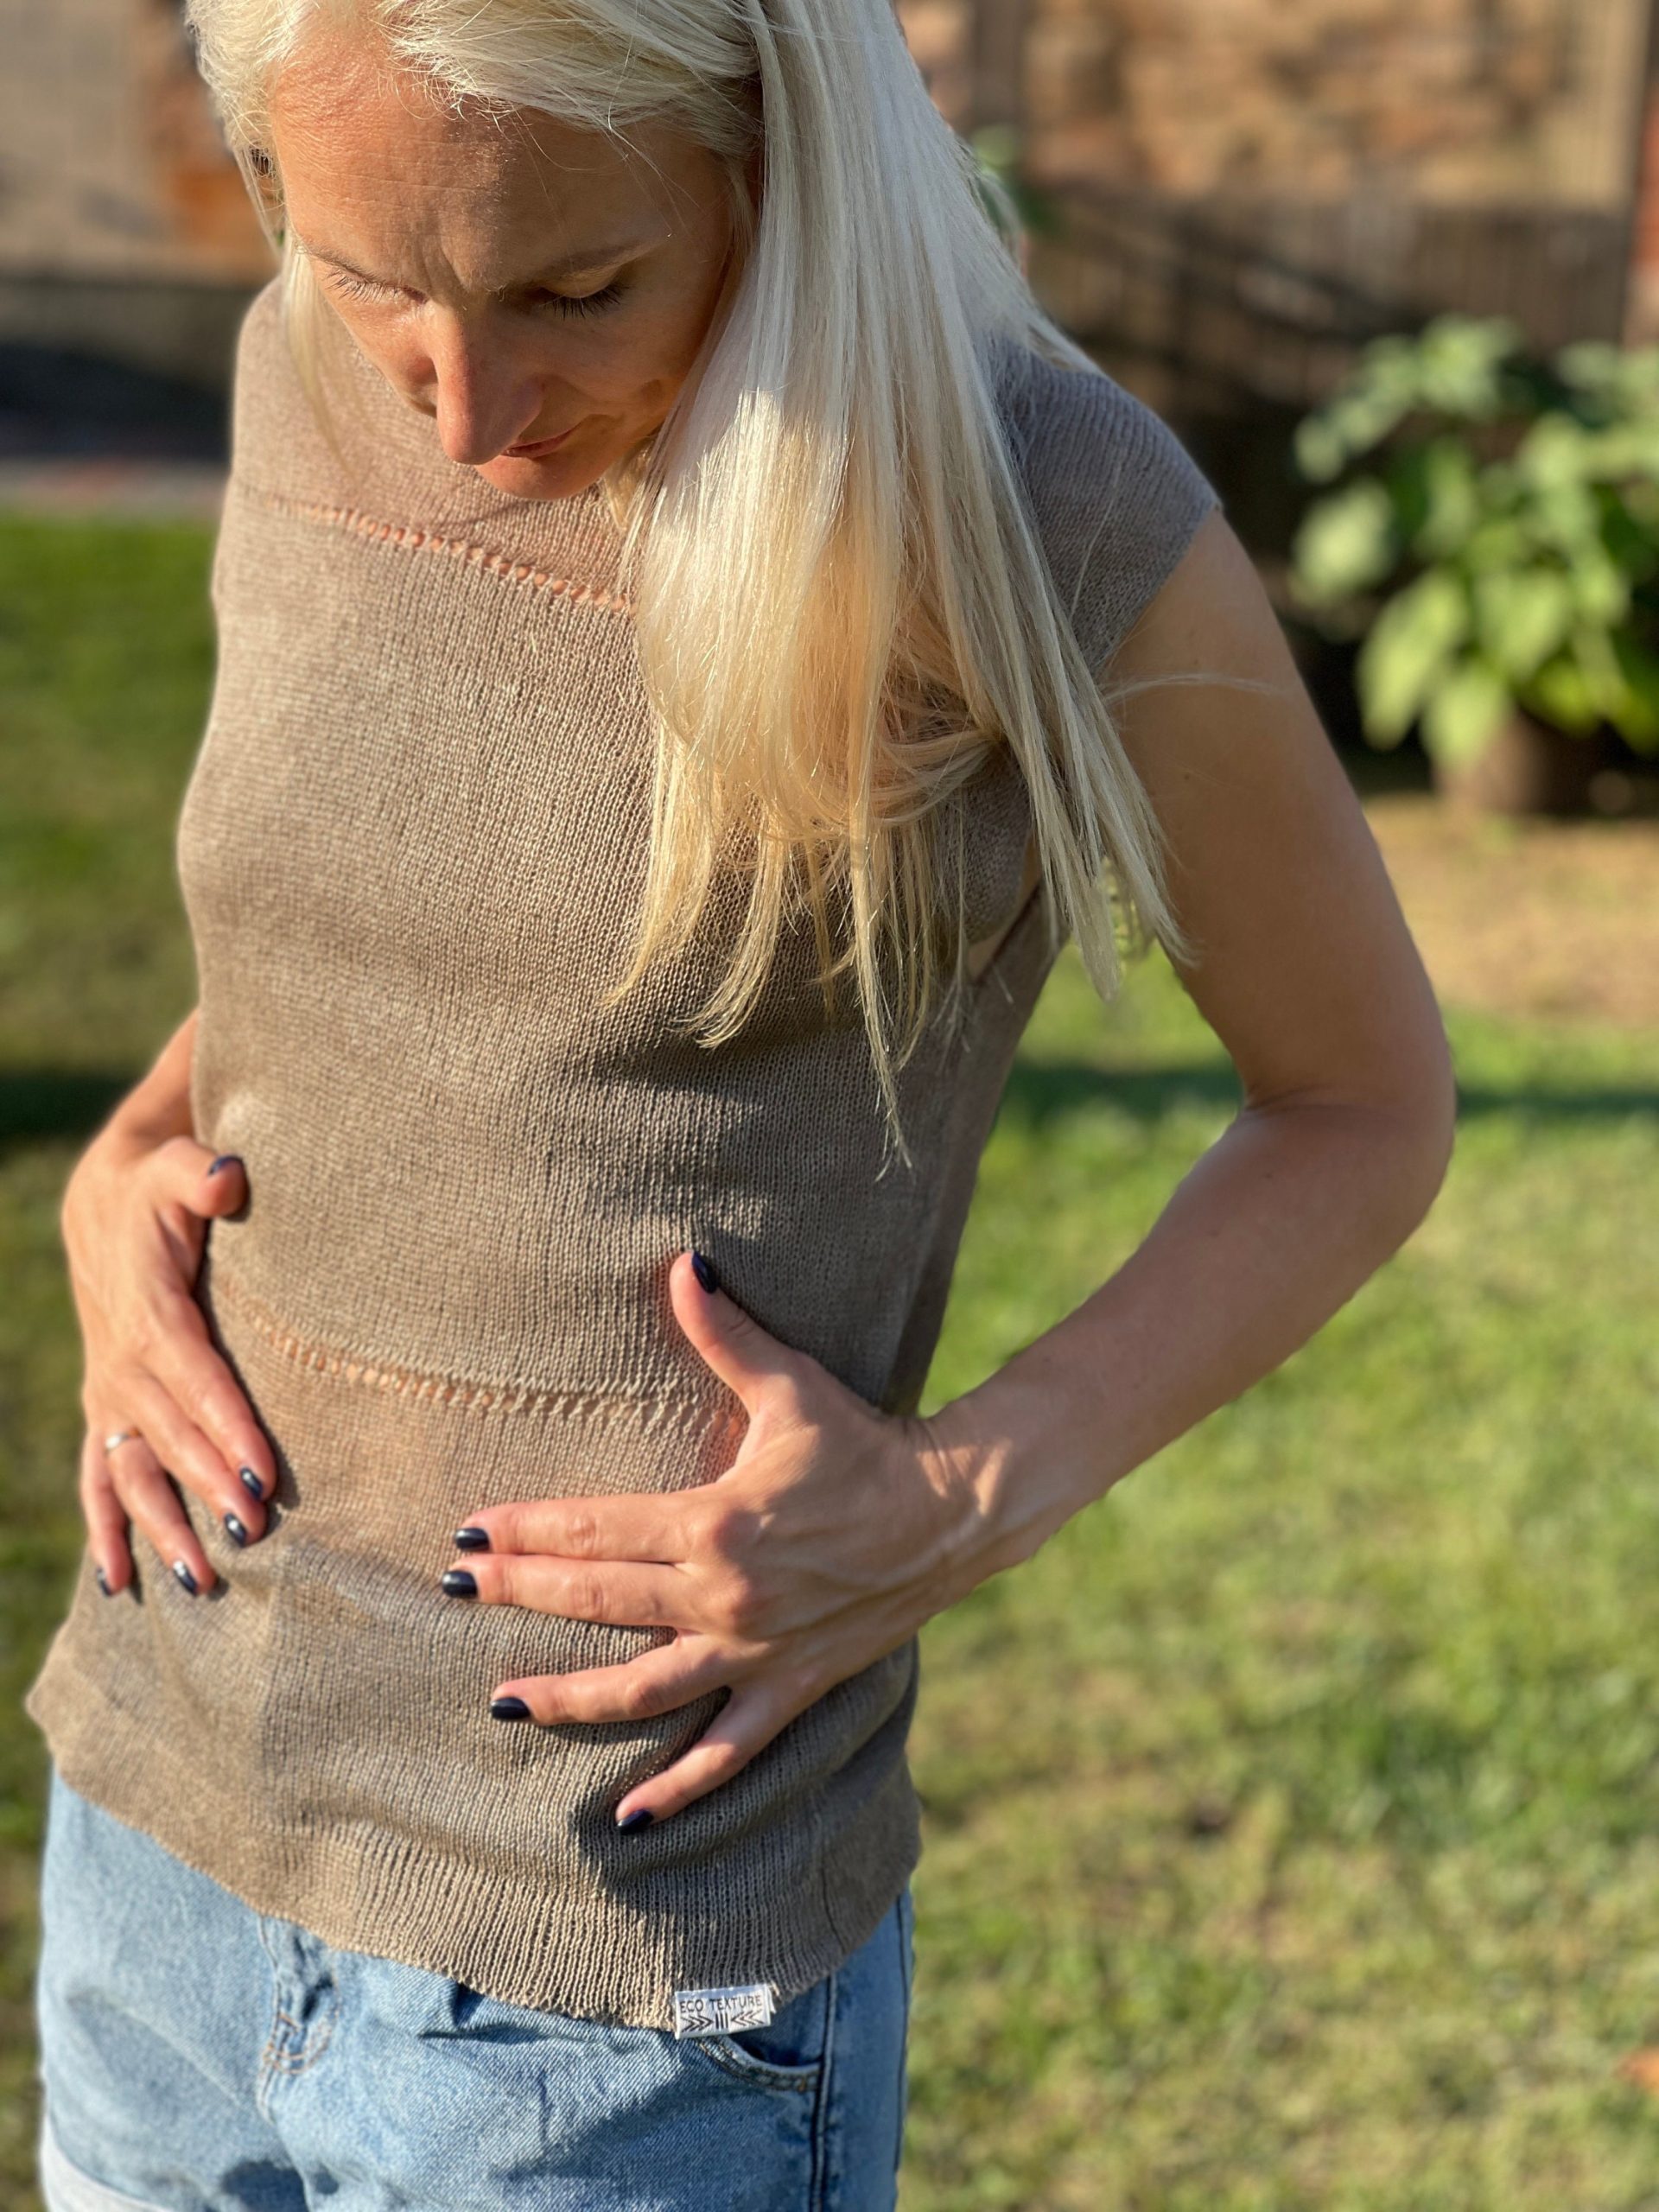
263, 362
1115, 496
275, 437
262, 323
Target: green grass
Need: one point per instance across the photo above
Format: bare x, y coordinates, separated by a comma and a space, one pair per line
1292, 1820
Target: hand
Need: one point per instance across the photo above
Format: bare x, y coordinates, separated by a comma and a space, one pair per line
134, 1221
834, 1533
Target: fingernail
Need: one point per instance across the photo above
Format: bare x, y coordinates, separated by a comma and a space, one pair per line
459, 1583
187, 1578
102, 1581
251, 1482
509, 1708
704, 1271
223, 1160
235, 1527
473, 1540
642, 1819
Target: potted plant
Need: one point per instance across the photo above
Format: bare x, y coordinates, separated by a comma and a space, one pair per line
1498, 556
1019, 209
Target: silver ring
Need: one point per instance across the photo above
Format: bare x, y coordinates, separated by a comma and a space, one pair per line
119, 1436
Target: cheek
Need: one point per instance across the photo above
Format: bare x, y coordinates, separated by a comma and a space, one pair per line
395, 352
627, 369
655, 356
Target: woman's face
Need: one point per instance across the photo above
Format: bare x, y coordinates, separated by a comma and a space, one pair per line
516, 280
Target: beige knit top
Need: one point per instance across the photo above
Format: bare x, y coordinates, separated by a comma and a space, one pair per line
409, 851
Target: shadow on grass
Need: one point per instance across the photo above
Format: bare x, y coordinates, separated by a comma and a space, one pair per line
1041, 1092
51, 1105
48, 1105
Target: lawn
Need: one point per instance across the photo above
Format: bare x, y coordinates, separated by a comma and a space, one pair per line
1292, 1820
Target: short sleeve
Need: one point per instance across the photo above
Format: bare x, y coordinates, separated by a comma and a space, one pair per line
1115, 496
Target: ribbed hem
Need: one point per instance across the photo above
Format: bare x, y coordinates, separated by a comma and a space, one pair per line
583, 1952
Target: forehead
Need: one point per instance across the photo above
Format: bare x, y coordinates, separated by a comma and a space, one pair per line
382, 172
340, 103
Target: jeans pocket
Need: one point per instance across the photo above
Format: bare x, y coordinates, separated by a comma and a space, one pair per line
788, 2053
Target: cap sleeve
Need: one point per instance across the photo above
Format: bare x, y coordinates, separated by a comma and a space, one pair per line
1116, 497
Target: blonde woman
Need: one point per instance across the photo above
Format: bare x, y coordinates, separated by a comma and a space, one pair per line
694, 641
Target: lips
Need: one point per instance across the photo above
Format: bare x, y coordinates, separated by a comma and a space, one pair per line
535, 446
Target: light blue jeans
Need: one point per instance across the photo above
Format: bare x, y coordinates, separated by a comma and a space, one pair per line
197, 2056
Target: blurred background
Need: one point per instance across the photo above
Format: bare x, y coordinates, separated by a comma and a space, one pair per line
1293, 1821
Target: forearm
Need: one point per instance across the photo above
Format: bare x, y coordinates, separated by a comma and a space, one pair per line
1273, 1230
158, 1105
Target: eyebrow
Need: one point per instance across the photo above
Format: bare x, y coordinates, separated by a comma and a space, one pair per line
565, 264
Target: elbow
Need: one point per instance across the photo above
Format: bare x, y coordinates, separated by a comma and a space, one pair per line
1422, 1117
1437, 1140
1399, 1133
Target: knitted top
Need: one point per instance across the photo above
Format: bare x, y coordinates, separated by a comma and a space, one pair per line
410, 849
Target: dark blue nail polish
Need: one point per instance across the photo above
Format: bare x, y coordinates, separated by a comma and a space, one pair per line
704, 1271
642, 1819
235, 1526
223, 1160
187, 1578
250, 1482
458, 1582
471, 1540
509, 1708
102, 1581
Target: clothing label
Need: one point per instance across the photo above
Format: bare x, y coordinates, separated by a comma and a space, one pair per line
721, 2011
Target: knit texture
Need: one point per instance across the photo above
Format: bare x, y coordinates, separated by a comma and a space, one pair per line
410, 849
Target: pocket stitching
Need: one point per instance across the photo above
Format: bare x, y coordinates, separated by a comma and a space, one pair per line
745, 2065
731, 2057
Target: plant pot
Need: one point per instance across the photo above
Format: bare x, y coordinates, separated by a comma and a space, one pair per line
1527, 766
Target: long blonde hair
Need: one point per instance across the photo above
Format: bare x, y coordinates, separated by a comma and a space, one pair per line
877, 614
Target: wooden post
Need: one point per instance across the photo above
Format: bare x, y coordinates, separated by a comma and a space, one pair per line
997, 40
1640, 320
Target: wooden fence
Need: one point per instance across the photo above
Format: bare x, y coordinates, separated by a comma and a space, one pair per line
1233, 319
1224, 304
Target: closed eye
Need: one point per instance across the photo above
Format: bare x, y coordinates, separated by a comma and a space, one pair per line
583, 303
358, 287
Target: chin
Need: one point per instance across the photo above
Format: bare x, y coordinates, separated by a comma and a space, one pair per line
560, 476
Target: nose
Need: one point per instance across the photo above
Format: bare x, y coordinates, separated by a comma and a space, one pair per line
486, 400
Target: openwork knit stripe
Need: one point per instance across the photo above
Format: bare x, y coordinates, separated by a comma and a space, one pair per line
410, 539
659, 1410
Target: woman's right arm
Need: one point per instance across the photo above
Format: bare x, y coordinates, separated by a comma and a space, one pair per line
134, 1219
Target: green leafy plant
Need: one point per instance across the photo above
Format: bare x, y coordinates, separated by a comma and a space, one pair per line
1501, 548
1019, 210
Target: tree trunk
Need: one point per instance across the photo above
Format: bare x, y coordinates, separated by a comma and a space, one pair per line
1527, 767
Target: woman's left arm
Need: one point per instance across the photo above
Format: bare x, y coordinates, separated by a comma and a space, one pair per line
1305, 969
837, 1530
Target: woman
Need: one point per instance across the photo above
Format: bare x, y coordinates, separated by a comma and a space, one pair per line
692, 637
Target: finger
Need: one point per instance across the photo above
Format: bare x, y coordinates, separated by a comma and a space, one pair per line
106, 1517
187, 1186
656, 1527
181, 1358
745, 1357
628, 1597
742, 1729
190, 1457
658, 1680
150, 1502
195, 1176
